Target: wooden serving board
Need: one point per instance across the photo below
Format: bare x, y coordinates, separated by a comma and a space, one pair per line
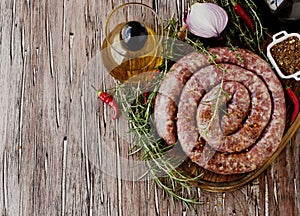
219, 183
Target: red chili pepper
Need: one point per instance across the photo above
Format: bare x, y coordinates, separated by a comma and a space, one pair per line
109, 100
239, 9
295, 102
152, 77
146, 94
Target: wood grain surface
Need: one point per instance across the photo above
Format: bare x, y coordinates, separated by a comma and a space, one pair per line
48, 120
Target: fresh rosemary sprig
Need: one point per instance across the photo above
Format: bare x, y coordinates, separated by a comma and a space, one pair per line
162, 163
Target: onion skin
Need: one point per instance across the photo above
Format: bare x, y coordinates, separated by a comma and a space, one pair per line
206, 20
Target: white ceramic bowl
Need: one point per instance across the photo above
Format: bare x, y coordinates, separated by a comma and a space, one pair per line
277, 38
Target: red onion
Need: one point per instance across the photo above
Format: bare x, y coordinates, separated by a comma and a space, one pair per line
206, 20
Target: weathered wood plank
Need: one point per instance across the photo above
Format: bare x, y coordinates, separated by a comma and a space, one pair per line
50, 125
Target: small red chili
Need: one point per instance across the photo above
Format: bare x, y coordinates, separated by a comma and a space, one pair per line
151, 78
239, 9
146, 94
109, 100
295, 102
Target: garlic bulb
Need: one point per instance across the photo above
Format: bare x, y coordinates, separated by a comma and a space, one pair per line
206, 20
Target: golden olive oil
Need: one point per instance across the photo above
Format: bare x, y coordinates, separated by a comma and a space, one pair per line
123, 64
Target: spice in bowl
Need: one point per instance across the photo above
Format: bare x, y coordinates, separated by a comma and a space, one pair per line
286, 54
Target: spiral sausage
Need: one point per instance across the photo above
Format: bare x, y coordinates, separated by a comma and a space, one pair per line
250, 127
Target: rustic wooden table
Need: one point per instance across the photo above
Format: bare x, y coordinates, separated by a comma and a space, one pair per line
46, 125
